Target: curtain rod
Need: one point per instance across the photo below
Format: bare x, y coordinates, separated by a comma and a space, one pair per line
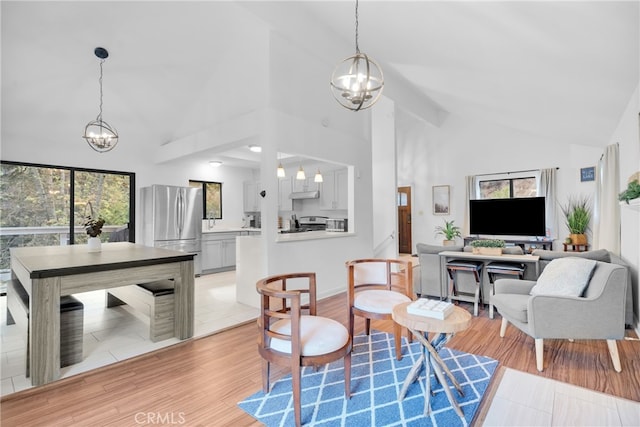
507, 173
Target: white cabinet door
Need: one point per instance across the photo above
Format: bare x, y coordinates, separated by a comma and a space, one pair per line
341, 193
229, 252
306, 184
211, 254
284, 190
334, 194
251, 199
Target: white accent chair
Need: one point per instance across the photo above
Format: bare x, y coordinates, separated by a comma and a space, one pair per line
290, 338
375, 286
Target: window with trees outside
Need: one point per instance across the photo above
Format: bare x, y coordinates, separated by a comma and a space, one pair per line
508, 188
211, 198
43, 205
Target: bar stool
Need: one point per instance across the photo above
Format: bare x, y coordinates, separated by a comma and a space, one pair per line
502, 268
454, 267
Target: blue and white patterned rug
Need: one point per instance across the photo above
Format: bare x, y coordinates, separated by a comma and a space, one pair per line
376, 378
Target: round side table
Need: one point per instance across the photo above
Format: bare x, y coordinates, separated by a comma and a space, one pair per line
420, 326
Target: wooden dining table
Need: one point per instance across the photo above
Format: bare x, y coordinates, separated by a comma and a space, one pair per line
49, 272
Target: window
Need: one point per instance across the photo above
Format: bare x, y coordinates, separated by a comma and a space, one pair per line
505, 186
43, 205
211, 198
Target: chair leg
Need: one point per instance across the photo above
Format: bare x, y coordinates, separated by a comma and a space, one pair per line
492, 292
615, 357
539, 354
503, 326
295, 385
265, 376
351, 324
347, 376
397, 337
367, 326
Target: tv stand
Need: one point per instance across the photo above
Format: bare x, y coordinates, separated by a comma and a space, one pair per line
526, 244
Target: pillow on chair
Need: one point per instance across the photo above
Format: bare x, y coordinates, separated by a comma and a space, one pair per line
565, 276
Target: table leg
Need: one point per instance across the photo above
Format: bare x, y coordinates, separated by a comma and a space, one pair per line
427, 380
411, 377
438, 359
447, 391
184, 301
44, 330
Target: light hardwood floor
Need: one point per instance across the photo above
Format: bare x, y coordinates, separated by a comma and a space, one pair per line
199, 382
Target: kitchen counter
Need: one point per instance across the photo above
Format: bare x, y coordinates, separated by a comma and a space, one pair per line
311, 235
230, 230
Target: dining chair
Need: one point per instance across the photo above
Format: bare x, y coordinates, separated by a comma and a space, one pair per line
293, 335
375, 286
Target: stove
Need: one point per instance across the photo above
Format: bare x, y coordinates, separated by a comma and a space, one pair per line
313, 223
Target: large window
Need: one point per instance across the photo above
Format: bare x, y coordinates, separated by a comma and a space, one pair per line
211, 198
509, 187
46, 205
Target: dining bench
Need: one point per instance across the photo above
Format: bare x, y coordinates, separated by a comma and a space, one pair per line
71, 322
155, 300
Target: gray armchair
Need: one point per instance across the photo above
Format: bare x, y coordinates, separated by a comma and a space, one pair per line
598, 314
429, 281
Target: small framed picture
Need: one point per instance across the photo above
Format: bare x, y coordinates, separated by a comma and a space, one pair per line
441, 200
588, 174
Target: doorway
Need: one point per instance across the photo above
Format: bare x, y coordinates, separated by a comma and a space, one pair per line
404, 220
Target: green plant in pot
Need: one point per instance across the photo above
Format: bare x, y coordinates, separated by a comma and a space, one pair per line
577, 213
449, 231
632, 192
488, 246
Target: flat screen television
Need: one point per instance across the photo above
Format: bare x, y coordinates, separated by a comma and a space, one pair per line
524, 216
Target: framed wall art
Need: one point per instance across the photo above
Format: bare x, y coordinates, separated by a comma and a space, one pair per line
441, 200
588, 174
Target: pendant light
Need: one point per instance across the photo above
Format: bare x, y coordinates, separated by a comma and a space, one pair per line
100, 136
318, 177
300, 175
280, 171
357, 81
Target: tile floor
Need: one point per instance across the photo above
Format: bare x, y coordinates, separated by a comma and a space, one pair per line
524, 399
119, 333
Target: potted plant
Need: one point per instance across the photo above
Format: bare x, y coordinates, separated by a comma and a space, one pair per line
93, 228
577, 213
449, 231
488, 246
633, 190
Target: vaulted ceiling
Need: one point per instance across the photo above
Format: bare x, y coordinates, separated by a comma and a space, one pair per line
556, 69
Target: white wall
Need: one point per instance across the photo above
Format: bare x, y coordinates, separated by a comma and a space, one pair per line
627, 135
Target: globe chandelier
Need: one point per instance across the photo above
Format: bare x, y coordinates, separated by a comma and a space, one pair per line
100, 135
357, 82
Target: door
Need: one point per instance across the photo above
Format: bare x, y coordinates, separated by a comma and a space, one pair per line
404, 220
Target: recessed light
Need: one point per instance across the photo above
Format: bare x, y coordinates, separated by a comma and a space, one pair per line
215, 163
255, 148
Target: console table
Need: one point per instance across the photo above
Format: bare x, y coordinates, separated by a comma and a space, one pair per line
523, 243
448, 255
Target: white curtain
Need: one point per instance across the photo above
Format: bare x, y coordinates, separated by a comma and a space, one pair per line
548, 190
470, 194
606, 212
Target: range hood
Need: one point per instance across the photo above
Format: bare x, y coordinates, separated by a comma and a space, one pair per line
299, 195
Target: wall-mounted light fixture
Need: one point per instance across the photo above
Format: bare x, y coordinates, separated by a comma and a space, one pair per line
357, 82
100, 136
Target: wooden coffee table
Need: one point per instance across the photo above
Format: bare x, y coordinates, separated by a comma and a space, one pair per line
420, 326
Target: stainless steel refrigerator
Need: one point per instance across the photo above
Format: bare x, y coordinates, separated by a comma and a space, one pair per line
172, 219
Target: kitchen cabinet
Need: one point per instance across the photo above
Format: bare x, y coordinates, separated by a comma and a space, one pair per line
219, 251
284, 190
251, 197
334, 194
306, 184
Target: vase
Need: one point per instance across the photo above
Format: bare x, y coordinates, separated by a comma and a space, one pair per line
579, 239
94, 244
